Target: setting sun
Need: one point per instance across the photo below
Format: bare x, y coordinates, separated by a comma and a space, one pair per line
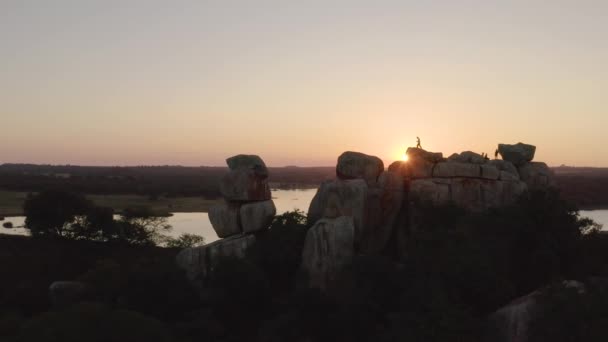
404, 157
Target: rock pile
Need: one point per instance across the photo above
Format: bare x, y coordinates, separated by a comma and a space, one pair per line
382, 204
247, 208
365, 210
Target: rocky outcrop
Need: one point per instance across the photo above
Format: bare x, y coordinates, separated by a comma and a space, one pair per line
336, 198
517, 154
537, 175
328, 250
248, 206
385, 212
199, 261
63, 294
383, 205
353, 165
473, 194
512, 322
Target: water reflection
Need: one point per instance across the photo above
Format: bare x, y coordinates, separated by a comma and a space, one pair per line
198, 223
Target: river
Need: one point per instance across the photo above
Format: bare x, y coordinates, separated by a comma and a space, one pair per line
285, 200
198, 223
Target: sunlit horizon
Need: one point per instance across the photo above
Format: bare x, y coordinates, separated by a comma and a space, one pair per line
141, 83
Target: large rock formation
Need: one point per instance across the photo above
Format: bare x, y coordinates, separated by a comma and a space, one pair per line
381, 204
247, 208
248, 205
328, 250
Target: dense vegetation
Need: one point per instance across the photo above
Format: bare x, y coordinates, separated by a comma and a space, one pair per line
458, 269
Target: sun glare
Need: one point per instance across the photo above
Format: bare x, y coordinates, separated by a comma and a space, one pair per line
404, 157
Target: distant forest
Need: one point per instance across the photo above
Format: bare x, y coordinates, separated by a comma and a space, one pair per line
586, 187
169, 181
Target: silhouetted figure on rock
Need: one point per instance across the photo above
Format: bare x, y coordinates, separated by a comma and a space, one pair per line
418, 145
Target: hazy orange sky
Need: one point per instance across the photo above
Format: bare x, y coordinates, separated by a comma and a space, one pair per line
298, 82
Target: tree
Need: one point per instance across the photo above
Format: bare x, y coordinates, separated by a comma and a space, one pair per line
140, 226
185, 241
52, 213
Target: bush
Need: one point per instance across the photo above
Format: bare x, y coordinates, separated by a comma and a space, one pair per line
93, 323
278, 251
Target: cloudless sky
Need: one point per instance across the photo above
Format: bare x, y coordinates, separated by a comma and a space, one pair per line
299, 82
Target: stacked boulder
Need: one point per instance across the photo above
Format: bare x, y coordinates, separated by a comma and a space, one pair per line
247, 208
536, 175
362, 206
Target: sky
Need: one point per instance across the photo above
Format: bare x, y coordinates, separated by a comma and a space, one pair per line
299, 82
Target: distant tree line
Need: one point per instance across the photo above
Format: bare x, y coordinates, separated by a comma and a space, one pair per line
153, 181
66, 215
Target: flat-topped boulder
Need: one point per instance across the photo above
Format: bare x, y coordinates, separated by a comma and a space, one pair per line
418, 153
518, 154
248, 162
353, 165
413, 168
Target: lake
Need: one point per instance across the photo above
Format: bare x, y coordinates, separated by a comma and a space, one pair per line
198, 223
284, 200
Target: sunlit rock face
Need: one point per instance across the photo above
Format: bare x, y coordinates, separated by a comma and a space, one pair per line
328, 250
